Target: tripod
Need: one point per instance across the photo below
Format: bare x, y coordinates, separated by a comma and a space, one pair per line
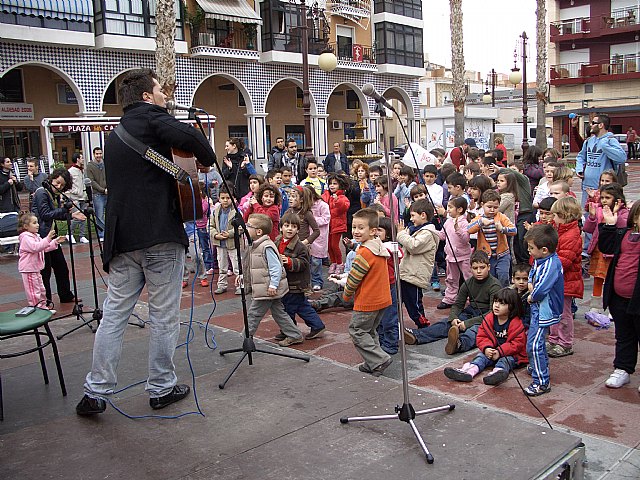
248, 345
406, 412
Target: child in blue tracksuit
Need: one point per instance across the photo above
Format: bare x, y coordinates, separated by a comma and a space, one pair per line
546, 297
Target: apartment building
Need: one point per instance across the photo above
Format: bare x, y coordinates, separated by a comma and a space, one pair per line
594, 58
61, 63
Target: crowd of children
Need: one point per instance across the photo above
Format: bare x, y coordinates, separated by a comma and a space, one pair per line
507, 238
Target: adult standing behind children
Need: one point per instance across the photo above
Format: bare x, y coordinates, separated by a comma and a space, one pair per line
237, 166
95, 173
143, 246
78, 195
600, 152
336, 161
368, 282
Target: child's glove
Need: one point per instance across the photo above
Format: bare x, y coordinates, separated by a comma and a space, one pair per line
340, 280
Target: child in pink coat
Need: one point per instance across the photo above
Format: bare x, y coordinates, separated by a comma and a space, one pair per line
458, 242
31, 260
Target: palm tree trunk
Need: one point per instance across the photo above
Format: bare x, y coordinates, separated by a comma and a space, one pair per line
457, 68
165, 46
541, 74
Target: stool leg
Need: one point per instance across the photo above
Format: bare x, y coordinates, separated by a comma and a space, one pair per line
41, 355
56, 357
1, 404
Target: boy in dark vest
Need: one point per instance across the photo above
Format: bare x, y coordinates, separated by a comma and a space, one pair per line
295, 258
268, 281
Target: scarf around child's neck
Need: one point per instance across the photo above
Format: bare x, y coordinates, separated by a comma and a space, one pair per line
414, 228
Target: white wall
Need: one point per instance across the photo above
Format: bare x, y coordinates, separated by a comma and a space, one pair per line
578, 55
625, 49
575, 12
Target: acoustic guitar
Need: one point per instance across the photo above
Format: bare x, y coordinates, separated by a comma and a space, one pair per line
187, 162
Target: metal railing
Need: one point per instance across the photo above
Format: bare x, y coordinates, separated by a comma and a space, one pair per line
346, 53
571, 26
623, 17
234, 38
619, 64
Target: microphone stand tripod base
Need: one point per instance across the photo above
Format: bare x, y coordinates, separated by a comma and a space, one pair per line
249, 347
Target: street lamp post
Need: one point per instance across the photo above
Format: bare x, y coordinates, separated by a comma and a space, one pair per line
515, 77
327, 62
491, 98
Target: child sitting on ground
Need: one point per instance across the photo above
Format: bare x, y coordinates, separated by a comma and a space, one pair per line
295, 258
368, 282
501, 340
31, 260
268, 281
462, 326
546, 297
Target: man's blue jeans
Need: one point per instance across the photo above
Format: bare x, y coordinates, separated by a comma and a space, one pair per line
160, 269
440, 330
99, 205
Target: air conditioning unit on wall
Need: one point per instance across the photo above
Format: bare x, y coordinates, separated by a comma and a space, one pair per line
336, 125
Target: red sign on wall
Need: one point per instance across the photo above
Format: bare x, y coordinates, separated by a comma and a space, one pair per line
357, 53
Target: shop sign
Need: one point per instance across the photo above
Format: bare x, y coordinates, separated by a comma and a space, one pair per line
16, 111
80, 127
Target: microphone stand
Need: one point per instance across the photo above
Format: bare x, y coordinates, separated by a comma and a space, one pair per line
240, 228
77, 310
406, 412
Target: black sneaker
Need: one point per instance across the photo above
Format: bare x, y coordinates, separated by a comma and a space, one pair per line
280, 336
363, 368
314, 333
457, 375
177, 394
443, 306
376, 372
496, 377
90, 406
535, 390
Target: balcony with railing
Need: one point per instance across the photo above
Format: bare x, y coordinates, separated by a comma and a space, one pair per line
236, 41
620, 20
619, 67
355, 56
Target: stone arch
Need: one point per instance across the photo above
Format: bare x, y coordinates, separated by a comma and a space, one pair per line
70, 81
239, 85
298, 83
364, 107
110, 80
400, 94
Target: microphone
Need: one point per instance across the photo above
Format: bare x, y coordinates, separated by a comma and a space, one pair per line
171, 105
88, 189
370, 91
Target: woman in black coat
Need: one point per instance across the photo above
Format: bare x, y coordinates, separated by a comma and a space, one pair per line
237, 167
9, 188
45, 209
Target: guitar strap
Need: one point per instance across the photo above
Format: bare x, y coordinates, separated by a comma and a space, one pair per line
151, 155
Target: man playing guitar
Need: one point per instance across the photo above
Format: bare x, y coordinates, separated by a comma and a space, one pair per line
144, 242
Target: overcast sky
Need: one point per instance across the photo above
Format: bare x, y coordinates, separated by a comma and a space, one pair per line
491, 29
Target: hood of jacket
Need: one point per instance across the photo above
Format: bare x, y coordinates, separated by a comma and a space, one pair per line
376, 247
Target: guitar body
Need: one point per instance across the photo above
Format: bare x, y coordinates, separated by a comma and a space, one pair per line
187, 162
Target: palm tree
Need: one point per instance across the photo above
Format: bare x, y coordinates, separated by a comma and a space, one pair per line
457, 68
541, 74
165, 45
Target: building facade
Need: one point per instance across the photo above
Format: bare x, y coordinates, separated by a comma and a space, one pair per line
61, 63
594, 58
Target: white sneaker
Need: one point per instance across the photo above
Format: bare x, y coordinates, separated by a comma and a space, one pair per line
83, 240
71, 238
617, 379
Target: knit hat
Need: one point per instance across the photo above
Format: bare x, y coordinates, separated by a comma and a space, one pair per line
546, 203
471, 142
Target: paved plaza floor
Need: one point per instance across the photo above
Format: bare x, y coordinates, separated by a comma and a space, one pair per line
279, 418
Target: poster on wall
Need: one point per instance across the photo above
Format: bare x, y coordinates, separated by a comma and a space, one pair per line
450, 137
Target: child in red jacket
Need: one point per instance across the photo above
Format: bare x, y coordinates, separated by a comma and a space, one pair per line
267, 201
566, 212
338, 206
501, 339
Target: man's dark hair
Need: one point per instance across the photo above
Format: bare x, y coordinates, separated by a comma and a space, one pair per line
604, 120
479, 256
134, 84
473, 153
543, 235
289, 140
96, 148
498, 154
486, 161
423, 206
66, 176
75, 157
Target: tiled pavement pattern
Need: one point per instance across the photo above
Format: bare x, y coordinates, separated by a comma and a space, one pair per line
606, 420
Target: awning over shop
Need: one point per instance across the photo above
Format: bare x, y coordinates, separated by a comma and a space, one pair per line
76, 10
229, 10
586, 111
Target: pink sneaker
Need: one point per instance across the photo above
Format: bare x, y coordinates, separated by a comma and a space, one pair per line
332, 268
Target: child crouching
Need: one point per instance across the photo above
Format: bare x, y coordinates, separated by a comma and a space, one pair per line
501, 340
